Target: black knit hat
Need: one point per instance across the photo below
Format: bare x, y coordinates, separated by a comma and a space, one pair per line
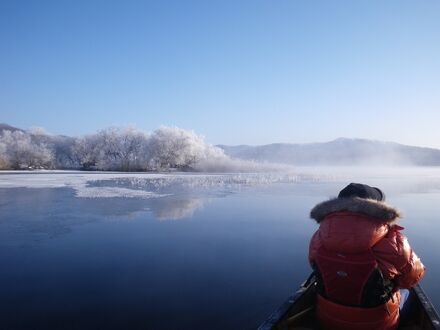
362, 191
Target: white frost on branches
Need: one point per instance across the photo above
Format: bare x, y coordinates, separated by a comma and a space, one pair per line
118, 149
172, 147
128, 149
18, 150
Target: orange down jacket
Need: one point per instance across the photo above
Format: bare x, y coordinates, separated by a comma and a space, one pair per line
355, 225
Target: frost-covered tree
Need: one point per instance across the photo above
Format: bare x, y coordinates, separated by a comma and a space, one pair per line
115, 148
85, 152
121, 149
172, 147
128, 149
19, 151
62, 147
4, 159
133, 147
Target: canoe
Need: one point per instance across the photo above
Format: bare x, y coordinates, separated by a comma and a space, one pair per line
297, 312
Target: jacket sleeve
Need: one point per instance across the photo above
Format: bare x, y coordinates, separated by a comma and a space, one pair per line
315, 243
397, 259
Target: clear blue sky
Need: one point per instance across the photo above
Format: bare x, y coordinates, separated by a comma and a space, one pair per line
238, 72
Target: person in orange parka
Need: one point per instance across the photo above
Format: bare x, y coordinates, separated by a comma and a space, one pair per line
361, 259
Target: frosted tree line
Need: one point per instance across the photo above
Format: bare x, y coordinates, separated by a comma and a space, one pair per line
110, 149
19, 150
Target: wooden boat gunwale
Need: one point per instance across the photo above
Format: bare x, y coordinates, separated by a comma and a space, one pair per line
281, 311
427, 306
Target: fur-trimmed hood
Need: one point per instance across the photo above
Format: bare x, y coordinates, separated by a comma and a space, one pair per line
370, 207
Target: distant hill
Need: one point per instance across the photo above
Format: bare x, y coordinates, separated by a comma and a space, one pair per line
341, 151
6, 127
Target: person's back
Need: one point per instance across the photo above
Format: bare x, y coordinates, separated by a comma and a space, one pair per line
361, 259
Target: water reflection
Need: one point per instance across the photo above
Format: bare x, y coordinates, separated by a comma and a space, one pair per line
31, 215
175, 208
122, 268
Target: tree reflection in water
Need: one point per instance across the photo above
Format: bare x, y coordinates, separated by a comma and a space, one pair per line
175, 208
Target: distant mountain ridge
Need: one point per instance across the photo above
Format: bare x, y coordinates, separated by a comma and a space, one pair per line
6, 127
342, 151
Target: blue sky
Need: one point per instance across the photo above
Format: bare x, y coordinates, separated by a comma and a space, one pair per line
238, 72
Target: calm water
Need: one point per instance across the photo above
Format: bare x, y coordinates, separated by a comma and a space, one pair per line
193, 252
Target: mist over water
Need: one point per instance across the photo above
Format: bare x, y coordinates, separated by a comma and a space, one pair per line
225, 249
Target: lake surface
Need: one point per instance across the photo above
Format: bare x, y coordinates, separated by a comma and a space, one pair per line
178, 251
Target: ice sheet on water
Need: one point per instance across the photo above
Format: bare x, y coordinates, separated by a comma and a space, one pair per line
140, 185
153, 185
108, 192
81, 182
203, 181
